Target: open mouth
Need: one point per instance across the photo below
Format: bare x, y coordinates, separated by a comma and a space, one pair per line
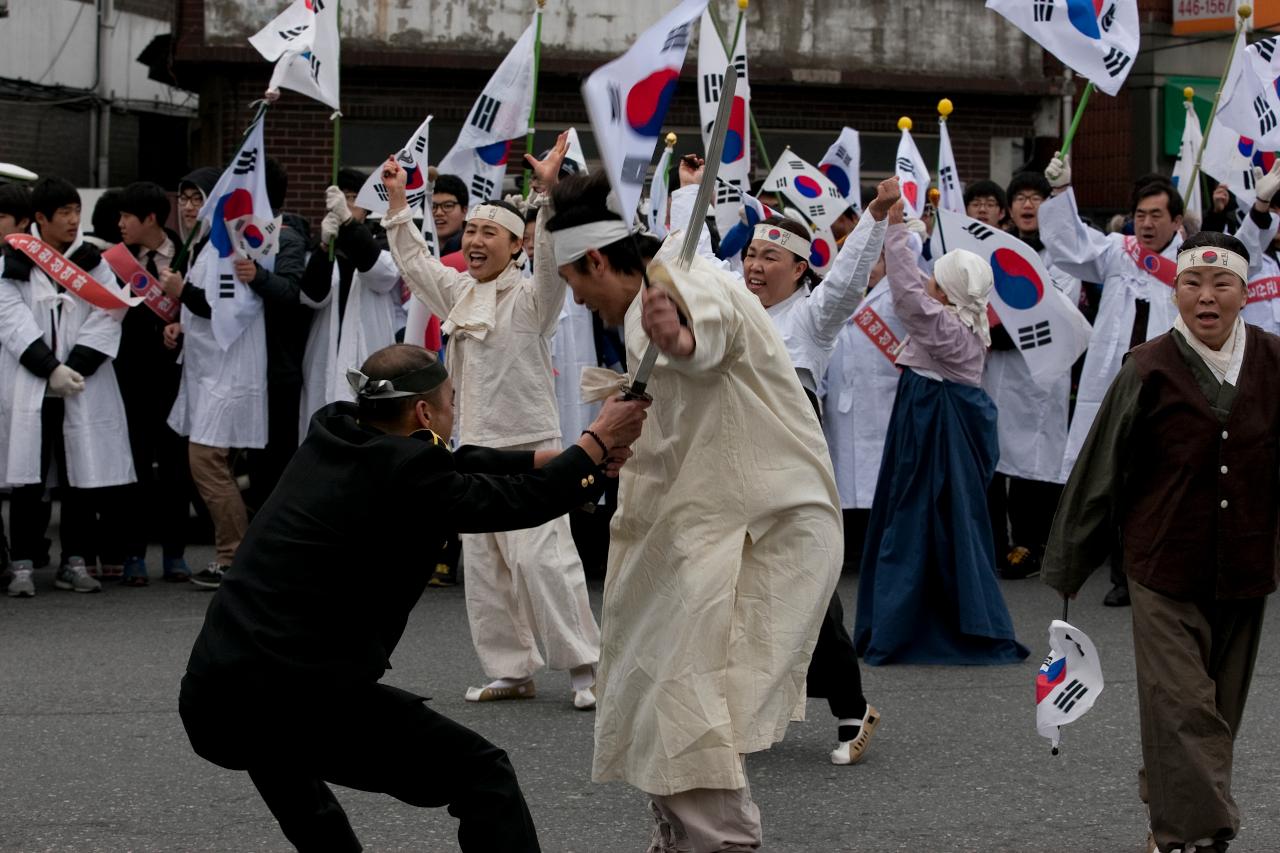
1207, 316
755, 285
477, 259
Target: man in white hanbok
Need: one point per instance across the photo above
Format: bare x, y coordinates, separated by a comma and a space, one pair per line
1258, 233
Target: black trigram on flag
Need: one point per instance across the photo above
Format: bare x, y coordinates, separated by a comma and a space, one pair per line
726, 193
1116, 61
381, 191
904, 164
315, 66
947, 177
1068, 698
226, 286
1037, 335
414, 199
817, 211
634, 169
1246, 177
1266, 115
1266, 48
1108, 19
677, 38
317, 5
481, 187
293, 32
978, 230
420, 143
843, 156
1042, 10
485, 112
834, 192
615, 103
711, 84
246, 162
740, 63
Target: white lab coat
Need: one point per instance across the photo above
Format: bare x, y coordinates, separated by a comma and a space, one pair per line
222, 399
367, 325
724, 551
94, 426
861, 385
573, 348
1264, 314
1080, 251
1032, 420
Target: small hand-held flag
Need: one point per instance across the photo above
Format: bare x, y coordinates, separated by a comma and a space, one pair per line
658, 190
950, 190
842, 164
1068, 682
912, 173
303, 42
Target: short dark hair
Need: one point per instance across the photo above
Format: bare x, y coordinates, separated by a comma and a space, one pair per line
15, 200
1215, 240
351, 180
983, 189
388, 363
1036, 182
1154, 188
106, 216
452, 185
144, 197
531, 216
277, 184
49, 194
581, 199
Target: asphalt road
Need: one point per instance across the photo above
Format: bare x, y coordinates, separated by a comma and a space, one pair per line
93, 755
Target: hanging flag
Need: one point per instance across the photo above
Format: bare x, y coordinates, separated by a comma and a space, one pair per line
842, 164
822, 249
913, 174
1186, 163
303, 42
1098, 39
1046, 327
1230, 158
241, 224
1250, 103
1069, 680
950, 191
413, 159
735, 159
501, 114
575, 154
627, 100
806, 189
658, 194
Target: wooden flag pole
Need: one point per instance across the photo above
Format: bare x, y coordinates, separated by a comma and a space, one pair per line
533, 104
336, 118
1243, 11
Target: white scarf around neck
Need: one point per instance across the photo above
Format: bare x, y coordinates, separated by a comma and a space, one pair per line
1224, 363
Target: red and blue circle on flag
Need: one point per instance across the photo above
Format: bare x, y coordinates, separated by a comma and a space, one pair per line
1050, 677
232, 206
1083, 15
735, 137
819, 252
495, 154
837, 176
648, 100
1016, 280
808, 187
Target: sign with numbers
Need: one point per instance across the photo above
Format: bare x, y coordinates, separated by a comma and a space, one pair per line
1219, 16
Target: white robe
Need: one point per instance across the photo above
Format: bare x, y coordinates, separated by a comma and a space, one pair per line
367, 325
1090, 255
1265, 314
94, 426
1032, 420
861, 385
573, 348
725, 550
222, 399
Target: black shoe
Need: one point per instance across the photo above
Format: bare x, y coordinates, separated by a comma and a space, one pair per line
209, 577
1020, 565
1117, 597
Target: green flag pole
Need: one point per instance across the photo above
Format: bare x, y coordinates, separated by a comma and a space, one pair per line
336, 118
755, 128
1075, 121
1243, 11
533, 103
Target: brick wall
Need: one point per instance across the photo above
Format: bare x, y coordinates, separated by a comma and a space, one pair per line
48, 140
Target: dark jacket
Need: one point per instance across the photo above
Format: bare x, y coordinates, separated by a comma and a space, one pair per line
288, 321
355, 250
323, 583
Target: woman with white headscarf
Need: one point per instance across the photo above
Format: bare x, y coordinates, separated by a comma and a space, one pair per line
927, 592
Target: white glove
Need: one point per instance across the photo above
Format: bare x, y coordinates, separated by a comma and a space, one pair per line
329, 226
918, 227
65, 382
335, 201
1058, 172
1266, 184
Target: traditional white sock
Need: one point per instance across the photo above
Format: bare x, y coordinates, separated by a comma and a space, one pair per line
582, 677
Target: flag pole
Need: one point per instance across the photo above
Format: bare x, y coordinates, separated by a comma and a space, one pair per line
533, 103
945, 109
336, 118
751, 115
1075, 121
1244, 10
935, 198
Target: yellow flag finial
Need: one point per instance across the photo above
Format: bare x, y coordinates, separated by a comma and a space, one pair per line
1189, 93
671, 140
742, 4
904, 123
945, 107
1244, 10
934, 195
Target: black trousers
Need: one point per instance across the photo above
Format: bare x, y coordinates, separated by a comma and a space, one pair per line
29, 512
833, 670
371, 738
1026, 508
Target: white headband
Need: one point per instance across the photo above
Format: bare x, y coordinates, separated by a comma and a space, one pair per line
573, 243
1215, 258
793, 243
500, 216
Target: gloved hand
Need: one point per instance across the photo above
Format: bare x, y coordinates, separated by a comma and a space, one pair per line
335, 201
1058, 172
329, 227
1266, 184
918, 227
65, 382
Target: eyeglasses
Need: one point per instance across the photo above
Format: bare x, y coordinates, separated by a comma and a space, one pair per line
985, 204
444, 206
190, 200
1028, 198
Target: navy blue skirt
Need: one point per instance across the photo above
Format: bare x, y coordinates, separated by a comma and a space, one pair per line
928, 592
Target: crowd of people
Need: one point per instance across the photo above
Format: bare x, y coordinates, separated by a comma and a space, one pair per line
872, 419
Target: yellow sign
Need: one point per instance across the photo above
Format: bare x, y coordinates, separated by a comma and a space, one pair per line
1219, 16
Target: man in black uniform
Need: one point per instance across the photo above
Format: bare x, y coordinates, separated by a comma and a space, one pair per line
283, 679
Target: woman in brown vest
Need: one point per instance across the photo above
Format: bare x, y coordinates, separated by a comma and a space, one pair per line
1183, 465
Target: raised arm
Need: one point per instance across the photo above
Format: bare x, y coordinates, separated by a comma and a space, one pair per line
548, 285
1073, 246
434, 284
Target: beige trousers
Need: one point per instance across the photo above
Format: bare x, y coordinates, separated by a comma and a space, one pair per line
211, 472
1195, 661
705, 820
526, 587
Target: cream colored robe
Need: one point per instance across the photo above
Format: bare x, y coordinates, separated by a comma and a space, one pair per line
725, 550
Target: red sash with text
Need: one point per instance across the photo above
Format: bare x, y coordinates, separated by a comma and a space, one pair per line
141, 283
1157, 266
878, 331
1264, 289
61, 271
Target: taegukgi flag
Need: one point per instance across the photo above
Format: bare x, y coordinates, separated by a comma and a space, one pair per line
1047, 328
713, 63
1192, 135
627, 100
1230, 158
913, 175
240, 224
950, 190
659, 194
501, 114
1069, 680
842, 164
806, 189
1098, 39
1250, 103
303, 42
413, 159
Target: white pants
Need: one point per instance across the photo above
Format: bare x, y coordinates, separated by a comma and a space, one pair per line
526, 586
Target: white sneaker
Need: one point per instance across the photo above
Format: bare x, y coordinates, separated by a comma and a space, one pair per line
584, 700
21, 586
74, 576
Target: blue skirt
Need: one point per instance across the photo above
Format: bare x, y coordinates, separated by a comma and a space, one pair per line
928, 592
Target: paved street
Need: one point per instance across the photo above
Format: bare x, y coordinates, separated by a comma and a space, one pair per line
93, 756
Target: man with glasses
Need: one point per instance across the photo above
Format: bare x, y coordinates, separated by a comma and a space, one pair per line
1032, 426
449, 201
985, 202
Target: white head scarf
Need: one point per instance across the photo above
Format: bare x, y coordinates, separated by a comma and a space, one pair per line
966, 279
